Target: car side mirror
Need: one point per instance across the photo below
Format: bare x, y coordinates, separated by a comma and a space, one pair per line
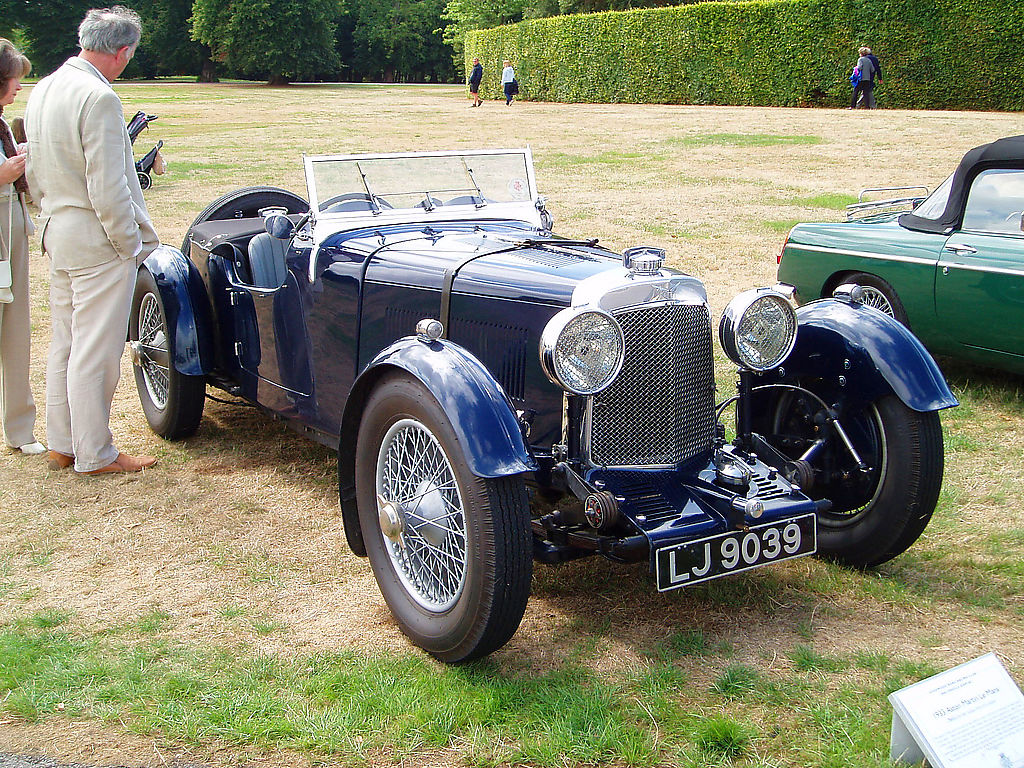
279, 226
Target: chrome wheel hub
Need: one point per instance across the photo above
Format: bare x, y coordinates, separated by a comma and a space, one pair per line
432, 513
390, 519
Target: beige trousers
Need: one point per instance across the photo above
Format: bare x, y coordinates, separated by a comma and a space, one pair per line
17, 409
89, 309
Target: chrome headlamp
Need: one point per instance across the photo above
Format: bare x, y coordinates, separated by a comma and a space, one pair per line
582, 350
758, 329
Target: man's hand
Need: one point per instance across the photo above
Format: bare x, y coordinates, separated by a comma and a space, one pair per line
12, 168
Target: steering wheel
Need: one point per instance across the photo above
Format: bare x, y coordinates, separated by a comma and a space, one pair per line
352, 201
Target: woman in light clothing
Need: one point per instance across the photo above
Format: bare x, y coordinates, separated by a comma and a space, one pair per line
507, 76
17, 410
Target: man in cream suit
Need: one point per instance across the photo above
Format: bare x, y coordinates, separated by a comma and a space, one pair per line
95, 228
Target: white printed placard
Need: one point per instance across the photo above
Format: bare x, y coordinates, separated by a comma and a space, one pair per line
970, 716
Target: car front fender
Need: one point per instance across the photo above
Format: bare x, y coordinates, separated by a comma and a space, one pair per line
480, 412
187, 308
867, 354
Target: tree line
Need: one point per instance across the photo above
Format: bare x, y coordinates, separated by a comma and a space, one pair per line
288, 40
275, 40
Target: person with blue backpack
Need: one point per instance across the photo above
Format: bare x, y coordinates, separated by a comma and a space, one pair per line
863, 80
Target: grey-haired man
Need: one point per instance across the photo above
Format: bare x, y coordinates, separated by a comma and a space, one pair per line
95, 228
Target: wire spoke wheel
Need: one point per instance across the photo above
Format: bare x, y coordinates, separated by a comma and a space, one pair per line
875, 298
151, 334
428, 547
172, 401
451, 550
880, 295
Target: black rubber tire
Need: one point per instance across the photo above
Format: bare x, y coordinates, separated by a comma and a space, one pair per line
179, 416
881, 293
246, 203
498, 542
875, 519
145, 180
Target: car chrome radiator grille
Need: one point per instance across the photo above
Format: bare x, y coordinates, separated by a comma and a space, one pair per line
660, 409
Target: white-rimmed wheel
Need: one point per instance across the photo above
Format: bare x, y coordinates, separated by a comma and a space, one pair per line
450, 551
172, 401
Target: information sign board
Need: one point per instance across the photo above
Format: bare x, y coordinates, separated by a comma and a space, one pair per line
970, 716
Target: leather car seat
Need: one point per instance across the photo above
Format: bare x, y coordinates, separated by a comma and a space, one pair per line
267, 261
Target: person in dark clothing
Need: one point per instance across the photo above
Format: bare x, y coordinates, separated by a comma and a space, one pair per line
474, 82
863, 89
876, 76
878, 67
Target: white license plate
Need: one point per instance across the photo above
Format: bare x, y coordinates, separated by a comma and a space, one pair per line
695, 561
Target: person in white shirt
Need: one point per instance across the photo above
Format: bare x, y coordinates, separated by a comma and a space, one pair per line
508, 79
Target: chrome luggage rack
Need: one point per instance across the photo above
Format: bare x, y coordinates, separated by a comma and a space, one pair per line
864, 208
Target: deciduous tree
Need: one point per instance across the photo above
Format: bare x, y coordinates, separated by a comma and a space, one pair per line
50, 29
399, 40
167, 47
281, 40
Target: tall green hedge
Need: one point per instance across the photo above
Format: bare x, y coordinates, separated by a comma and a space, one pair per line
945, 54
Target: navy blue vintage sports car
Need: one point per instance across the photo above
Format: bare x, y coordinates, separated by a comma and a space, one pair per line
418, 316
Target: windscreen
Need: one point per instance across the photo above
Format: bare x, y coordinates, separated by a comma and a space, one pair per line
358, 184
935, 203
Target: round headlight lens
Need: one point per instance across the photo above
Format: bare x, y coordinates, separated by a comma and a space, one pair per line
582, 351
758, 329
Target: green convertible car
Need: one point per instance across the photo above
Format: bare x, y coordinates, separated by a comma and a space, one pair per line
950, 264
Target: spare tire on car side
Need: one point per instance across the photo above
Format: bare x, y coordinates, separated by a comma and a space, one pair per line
245, 203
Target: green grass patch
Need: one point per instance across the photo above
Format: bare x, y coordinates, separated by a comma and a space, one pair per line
265, 626
724, 736
40, 557
188, 167
767, 586
661, 230
738, 680
806, 659
876, 661
781, 226
612, 157
49, 618
990, 582
340, 703
742, 140
355, 706
684, 644
232, 611
835, 201
152, 622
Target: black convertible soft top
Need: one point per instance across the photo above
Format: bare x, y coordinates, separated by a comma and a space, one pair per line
1001, 153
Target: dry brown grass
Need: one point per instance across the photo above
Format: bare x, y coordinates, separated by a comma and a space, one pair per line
235, 534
